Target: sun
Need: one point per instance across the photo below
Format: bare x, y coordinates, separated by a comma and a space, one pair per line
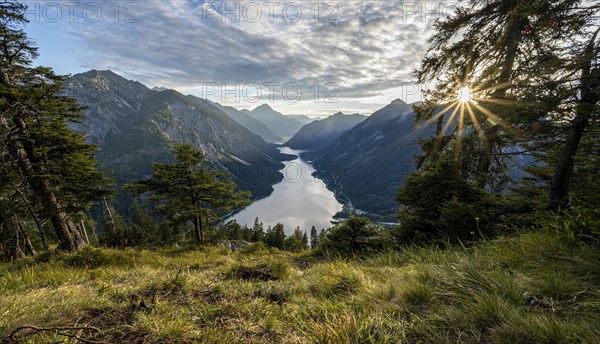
464, 95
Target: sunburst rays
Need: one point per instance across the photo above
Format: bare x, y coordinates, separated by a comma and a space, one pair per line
470, 108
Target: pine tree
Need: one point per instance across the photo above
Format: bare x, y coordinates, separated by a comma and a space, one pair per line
296, 242
314, 238
516, 56
258, 233
188, 191
520, 61
275, 237
304, 241
59, 172
356, 235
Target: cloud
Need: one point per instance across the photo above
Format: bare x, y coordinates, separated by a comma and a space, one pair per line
364, 47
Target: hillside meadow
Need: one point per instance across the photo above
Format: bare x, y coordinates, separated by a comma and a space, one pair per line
537, 287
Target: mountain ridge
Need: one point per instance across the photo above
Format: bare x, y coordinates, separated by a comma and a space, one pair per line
367, 164
323, 133
280, 124
135, 126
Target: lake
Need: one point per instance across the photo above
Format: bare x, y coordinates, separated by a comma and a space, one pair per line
299, 200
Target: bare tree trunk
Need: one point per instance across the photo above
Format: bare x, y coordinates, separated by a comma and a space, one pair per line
38, 224
18, 253
110, 216
84, 231
558, 195
94, 234
29, 250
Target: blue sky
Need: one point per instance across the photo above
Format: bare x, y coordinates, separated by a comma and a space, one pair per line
301, 57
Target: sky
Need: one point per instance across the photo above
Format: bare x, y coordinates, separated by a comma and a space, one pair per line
303, 57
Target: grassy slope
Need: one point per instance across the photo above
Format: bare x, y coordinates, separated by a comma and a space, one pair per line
534, 288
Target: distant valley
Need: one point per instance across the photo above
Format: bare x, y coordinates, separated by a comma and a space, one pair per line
134, 126
362, 158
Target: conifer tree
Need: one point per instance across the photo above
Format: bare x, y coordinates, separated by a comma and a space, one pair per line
258, 233
314, 237
189, 191
59, 173
518, 58
527, 68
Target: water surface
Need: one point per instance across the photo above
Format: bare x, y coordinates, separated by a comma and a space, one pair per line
299, 200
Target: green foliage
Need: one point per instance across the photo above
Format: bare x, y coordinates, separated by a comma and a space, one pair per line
484, 46
88, 257
49, 172
296, 242
354, 237
435, 207
275, 237
314, 238
266, 270
188, 191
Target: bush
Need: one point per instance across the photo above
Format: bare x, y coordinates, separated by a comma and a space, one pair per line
254, 248
354, 237
270, 270
88, 257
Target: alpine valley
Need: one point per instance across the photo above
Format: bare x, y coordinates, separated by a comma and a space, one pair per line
134, 127
363, 159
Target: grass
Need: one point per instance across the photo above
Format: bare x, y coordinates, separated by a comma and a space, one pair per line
533, 288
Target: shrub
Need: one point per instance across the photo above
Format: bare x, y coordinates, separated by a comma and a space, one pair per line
356, 236
254, 248
270, 270
88, 257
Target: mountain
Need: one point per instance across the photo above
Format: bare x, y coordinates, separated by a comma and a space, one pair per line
322, 134
367, 164
281, 125
303, 119
255, 126
134, 126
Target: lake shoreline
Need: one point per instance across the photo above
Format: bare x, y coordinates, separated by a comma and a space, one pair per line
300, 199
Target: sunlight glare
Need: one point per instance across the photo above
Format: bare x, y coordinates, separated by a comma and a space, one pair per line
464, 95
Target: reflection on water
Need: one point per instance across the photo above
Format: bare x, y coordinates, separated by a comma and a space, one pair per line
299, 200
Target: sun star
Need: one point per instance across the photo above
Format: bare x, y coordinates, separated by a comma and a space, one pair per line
464, 95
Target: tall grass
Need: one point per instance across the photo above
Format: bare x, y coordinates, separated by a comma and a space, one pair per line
538, 287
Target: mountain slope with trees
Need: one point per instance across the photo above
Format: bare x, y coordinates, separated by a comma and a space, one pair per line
323, 133
135, 126
368, 163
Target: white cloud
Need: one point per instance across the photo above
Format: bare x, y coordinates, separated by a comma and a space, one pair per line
367, 48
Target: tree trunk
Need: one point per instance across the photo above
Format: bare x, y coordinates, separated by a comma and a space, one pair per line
512, 47
18, 253
198, 228
29, 250
110, 217
561, 180
70, 239
558, 196
38, 224
84, 231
